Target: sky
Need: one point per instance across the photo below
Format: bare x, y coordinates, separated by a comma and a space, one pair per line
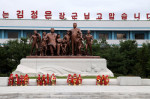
80, 6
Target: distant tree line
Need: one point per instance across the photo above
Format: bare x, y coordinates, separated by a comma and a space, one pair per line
125, 59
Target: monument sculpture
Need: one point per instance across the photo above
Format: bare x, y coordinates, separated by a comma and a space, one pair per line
64, 48
43, 45
52, 41
72, 40
89, 41
74, 35
63, 56
59, 44
36, 37
67, 39
79, 44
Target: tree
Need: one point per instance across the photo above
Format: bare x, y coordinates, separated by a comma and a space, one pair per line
129, 50
142, 67
5, 67
96, 48
115, 60
12, 53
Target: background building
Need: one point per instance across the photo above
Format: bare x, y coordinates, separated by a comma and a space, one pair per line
113, 31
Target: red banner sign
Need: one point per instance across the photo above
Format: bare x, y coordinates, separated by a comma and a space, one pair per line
74, 16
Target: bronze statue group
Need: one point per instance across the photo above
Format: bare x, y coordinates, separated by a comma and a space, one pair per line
71, 44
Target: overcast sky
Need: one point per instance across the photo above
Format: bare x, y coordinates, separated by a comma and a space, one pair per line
80, 6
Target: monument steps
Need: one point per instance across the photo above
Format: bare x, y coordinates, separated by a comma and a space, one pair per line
75, 92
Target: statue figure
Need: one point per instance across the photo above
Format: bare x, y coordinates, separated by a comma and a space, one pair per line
36, 37
43, 44
75, 31
89, 41
59, 44
67, 41
64, 47
52, 41
79, 44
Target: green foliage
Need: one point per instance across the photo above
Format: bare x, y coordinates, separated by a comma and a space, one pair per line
12, 53
143, 61
96, 48
129, 51
126, 58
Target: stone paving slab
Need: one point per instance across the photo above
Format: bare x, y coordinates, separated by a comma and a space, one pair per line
75, 92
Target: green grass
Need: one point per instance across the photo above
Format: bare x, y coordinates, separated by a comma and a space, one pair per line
3, 75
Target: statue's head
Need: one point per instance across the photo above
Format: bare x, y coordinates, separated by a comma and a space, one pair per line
58, 35
74, 25
68, 32
88, 32
52, 30
44, 33
35, 31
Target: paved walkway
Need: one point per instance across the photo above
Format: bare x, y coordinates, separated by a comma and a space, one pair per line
75, 92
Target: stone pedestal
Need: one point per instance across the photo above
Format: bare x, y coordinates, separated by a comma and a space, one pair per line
3, 81
63, 65
129, 81
75, 92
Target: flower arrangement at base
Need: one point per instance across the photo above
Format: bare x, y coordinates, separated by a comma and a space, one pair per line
39, 80
98, 80
69, 79
18, 80
104, 80
74, 80
21, 80
26, 80
47, 80
11, 80
43, 80
79, 80
53, 79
